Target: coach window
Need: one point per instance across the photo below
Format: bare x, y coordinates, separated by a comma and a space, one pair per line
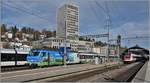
7, 57
21, 57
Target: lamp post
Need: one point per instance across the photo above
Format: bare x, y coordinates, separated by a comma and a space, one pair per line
65, 43
65, 52
119, 43
15, 54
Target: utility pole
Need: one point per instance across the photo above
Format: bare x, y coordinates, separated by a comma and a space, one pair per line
108, 25
108, 40
65, 43
108, 22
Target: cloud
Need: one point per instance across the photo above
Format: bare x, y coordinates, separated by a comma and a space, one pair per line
130, 29
41, 18
129, 18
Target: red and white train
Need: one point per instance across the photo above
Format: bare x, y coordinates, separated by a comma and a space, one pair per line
135, 54
131, 57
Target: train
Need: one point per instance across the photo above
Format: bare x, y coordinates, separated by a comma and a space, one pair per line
10, 57
47, 57
135, 54
40, 58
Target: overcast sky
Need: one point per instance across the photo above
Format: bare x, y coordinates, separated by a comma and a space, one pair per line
129, 18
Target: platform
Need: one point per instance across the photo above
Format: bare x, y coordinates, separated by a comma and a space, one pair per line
144, 73
147, 76
27, 75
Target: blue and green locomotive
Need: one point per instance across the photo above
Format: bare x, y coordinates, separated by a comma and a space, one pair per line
47, 57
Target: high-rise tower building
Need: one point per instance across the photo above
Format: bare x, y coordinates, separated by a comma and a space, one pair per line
68, 22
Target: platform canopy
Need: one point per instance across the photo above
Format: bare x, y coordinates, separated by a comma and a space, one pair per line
138, 48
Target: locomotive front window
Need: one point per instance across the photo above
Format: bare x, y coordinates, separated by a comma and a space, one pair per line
127, 56
35, 53
43, 54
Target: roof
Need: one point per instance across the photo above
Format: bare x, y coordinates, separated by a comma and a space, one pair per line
139, 48
43, 51
136, 47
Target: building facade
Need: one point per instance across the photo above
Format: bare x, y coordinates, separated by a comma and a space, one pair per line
68, 22
85, 46
50, 42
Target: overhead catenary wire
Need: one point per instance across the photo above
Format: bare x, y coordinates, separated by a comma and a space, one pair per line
131, 38
24, 11
28, 8
1, 9
94, 11
104, 10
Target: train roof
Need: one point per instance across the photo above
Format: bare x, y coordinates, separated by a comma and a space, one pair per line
12, 51
44, 51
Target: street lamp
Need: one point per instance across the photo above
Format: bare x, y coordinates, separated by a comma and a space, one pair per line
65, 43
119, 44
15, 55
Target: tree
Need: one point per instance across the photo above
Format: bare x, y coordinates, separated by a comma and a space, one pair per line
3, 29
19, 35
81, 38
93, 39
49, 34
36, 35
54, 34
29, 30
99, 43
14, 30
24, 30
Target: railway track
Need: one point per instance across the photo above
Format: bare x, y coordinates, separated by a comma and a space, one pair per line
25, 67
125, 75
75, 73
74, 76
39, 73
14, 68
129, 74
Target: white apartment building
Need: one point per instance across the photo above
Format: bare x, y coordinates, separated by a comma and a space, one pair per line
68, 22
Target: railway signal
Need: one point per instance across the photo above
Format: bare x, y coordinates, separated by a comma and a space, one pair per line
119, 44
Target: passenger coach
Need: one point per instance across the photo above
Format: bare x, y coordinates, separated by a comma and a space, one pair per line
9, 57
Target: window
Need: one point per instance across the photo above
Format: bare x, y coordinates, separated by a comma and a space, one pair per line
34, 53
21, 57
43, 53
8, 57
11, 57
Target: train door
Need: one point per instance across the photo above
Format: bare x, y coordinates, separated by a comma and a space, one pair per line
51, 58
96, 60
44, 56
